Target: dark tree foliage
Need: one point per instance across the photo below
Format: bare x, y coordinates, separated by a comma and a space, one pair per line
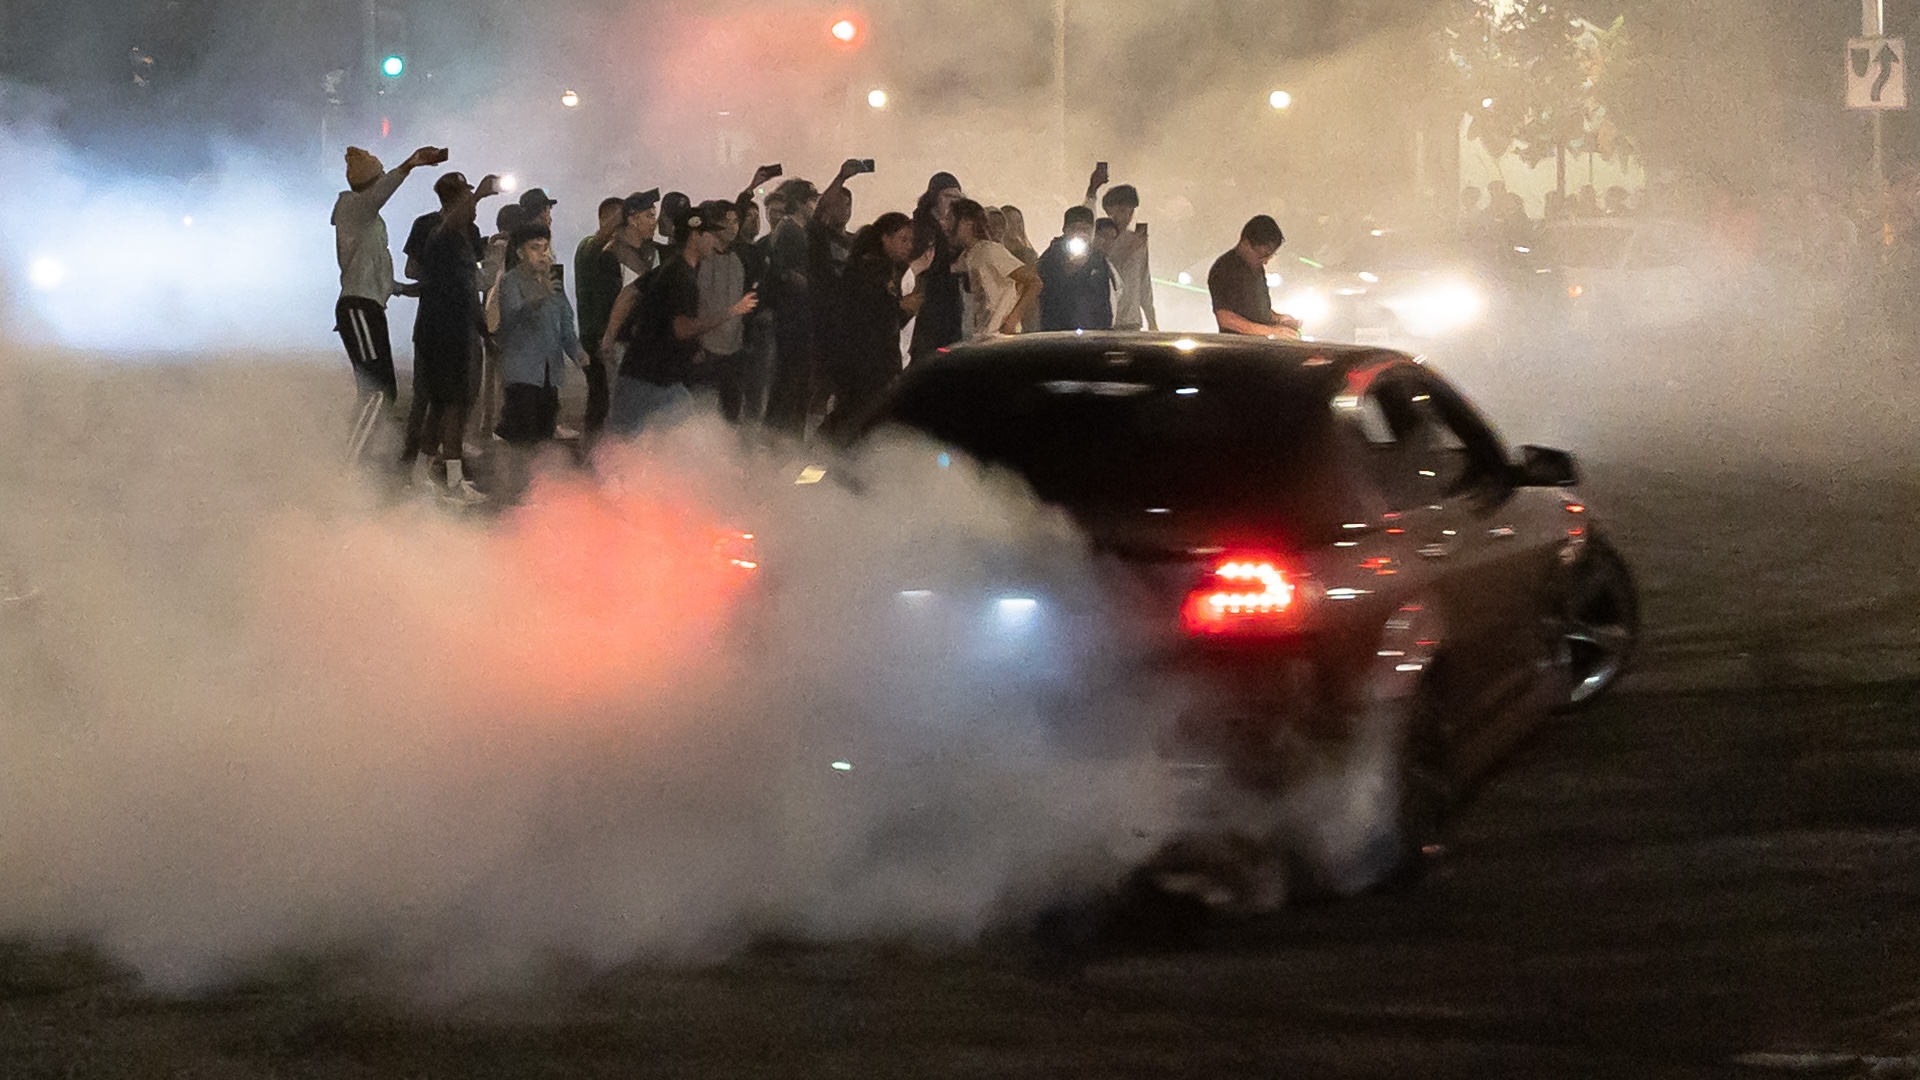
1538, 79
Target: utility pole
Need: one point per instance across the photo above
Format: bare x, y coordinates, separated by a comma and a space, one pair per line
1060, 97
370, 45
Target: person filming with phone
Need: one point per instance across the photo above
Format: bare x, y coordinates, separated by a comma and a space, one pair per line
1077, 291
1132, 269
536, 336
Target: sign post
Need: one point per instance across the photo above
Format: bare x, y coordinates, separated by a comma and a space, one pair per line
1876, 77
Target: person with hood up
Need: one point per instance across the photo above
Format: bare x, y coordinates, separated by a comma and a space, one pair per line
941, 319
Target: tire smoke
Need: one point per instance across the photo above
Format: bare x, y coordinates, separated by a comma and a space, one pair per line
249, 710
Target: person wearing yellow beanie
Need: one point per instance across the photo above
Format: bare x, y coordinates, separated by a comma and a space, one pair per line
366, 265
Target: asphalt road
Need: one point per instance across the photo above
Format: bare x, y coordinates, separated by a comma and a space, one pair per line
1714, 873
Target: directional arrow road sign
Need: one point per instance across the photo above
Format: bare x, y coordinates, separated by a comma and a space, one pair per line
1877, 73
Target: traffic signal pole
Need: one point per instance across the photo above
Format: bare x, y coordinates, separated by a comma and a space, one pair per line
1873, 24
370, 44
1060, 98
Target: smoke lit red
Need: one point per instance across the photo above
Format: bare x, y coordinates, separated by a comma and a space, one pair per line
586, 594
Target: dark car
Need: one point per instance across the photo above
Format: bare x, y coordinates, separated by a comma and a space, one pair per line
1330, 546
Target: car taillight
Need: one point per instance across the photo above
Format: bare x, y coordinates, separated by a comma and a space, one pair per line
1243, 595
737, 550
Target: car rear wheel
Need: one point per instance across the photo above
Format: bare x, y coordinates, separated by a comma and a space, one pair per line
1601, 622
1423, 795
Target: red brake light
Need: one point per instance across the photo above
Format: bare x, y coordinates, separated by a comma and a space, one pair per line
1241, 595
737, 550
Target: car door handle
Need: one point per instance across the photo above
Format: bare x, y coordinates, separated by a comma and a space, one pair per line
1434, 551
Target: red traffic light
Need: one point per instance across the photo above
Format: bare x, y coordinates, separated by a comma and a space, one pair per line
845, 31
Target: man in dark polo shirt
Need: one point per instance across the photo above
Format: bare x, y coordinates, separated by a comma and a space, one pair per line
1238, 284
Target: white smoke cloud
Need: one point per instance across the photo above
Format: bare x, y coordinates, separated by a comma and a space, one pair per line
239, 258
247, 711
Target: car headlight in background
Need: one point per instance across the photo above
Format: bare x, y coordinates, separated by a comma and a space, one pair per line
1443, 307
1311, 306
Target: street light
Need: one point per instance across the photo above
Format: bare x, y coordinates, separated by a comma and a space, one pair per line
1486, 103
877, 99
570, 99
1280, 99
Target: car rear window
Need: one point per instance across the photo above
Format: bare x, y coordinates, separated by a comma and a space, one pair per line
1233, 444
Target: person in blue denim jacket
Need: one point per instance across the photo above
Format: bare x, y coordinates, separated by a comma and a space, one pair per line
535, 335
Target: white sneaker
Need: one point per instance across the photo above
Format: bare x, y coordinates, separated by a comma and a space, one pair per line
463, 494
565, 433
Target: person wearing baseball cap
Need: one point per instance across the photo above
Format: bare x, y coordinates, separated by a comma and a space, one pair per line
673, 206
366, 267
445, 342
448, 188
666, 337
537, 207
723, 283
633, 243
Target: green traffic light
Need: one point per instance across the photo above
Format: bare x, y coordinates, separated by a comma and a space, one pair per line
394, 66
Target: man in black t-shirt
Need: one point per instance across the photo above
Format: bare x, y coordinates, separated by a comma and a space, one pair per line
445, 335
448, 188
1237, 284
451, 188
668, 327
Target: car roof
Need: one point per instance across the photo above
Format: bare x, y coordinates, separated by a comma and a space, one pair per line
1092, 355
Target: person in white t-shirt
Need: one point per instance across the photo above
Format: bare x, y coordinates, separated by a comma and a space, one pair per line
1001, 288
1132, 274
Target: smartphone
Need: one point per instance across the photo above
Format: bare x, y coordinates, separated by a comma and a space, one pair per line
866, 165
559, 274
1140, 227
772, 170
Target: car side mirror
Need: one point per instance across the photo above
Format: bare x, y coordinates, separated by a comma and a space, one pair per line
1541, 466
